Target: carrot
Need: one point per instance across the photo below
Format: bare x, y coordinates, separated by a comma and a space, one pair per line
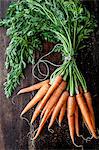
40, 94
60, 103
42, 125
36, 108
54, 86
88, 99
77, 121
54, 98
80, 89
71, 127
44, 109
85, 112
62, 113
38, 105
56, 83
33, 87
71, 105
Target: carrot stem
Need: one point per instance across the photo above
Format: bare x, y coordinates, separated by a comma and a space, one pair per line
85, 113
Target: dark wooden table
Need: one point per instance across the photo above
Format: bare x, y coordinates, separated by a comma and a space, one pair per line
13, 130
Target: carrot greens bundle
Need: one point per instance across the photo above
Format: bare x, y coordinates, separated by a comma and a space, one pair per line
67, 23
28, 23
25, 32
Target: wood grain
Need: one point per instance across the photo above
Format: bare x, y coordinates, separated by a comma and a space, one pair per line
13, 130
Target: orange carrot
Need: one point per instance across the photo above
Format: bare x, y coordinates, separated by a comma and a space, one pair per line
33, 87
56, 83
44, 109
71, 105
62, 113
40, 94
36, 108
54, 98
77, 121
80, 89
42, 125
60, 103
38, 105
85, 112
54, 86
88, 99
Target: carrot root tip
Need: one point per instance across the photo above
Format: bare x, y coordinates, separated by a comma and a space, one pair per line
31, 122
78, 135
35, 134
49, 126
19, 93
35, 138
59, 124
21, 114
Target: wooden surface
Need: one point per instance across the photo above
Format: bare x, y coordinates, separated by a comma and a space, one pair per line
13, 131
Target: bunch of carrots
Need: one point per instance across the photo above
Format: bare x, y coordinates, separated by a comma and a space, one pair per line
54, 100
69, 23
66, 23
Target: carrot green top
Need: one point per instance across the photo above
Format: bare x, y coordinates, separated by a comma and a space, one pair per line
64, 22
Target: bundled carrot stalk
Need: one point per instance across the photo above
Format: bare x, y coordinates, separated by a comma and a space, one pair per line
66, 92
